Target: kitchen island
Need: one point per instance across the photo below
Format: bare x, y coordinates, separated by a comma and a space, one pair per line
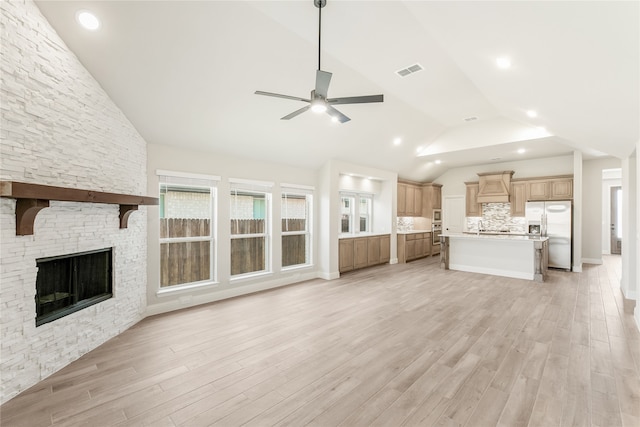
499, 254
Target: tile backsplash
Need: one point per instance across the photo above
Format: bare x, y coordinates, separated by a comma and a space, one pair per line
497, 217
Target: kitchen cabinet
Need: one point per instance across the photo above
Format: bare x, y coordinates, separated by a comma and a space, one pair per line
402, 199
413, 246
518, 198
550, 188
409, 199
385, 249
345, 255
538, 189
373, 250
472, 207
431, 199
561, 188
361, 252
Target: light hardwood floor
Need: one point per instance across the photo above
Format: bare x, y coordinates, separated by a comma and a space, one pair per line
393, 345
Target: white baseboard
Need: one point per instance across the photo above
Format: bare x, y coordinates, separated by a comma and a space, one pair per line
228, 291
329, 276
629, 294
393, 261
592, 260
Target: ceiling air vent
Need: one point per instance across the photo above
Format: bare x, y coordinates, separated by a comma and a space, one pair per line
409, 70
470, 119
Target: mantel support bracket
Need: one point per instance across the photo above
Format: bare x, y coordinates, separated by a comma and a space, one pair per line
125, 211
26, 211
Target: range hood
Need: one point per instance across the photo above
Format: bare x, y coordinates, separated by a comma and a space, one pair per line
494, 187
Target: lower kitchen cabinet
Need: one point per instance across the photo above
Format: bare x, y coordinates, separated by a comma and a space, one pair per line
413, 246
345, 255
361, 252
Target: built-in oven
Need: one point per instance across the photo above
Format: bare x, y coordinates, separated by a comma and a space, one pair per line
436, 230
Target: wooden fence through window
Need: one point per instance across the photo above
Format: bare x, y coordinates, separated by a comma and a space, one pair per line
186, 262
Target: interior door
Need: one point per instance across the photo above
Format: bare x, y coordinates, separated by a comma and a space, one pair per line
453, 214
616, 220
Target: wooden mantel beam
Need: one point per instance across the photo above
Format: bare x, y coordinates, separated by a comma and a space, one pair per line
31, 198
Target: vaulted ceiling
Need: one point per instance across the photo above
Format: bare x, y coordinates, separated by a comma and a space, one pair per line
185, 73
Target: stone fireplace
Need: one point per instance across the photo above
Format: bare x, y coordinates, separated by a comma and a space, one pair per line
68, 283
60, 128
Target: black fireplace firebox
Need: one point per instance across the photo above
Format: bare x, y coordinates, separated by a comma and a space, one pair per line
68, 283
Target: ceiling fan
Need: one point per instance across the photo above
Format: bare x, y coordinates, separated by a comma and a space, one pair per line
319, 101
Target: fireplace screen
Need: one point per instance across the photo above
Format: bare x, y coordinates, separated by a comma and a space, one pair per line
66, 284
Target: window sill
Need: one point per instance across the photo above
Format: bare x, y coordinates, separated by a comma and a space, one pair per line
169, 290
249, 276
296, 267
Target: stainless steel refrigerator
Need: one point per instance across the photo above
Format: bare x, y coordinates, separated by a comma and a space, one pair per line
553, 219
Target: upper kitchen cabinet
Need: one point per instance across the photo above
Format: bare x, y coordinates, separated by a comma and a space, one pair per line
550, 188
431, 199
538, 189
473, 208
518, 198
561, 188
409, 199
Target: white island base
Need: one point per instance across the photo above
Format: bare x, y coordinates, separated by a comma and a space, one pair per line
519, 257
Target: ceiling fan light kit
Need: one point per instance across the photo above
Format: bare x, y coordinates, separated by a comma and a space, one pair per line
319, 102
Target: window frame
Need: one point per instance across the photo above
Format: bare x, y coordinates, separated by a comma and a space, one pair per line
354, 216
308, 198
190, 181
255, 187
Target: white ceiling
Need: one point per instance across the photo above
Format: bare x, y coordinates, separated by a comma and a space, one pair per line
184, 73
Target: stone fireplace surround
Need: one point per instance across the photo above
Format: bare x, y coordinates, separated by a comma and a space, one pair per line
60, 128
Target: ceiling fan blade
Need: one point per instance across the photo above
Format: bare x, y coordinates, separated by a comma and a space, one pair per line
296, 113
356, 99
323, 78
337, 114
277, 95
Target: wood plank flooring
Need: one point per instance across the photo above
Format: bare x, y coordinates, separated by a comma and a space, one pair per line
393, 345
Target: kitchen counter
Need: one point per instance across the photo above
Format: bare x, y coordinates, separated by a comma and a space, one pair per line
499, 254
413, 231
353, 235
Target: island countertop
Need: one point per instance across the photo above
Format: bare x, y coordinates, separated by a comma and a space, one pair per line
500, 254
496, 236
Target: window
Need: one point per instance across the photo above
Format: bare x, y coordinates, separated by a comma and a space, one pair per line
296, 236
250, 225
186, 229
356, 217
366, 205
347, 209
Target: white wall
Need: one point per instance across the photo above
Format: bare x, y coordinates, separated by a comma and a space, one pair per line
629, 279
60, 128
592, 207
218, 164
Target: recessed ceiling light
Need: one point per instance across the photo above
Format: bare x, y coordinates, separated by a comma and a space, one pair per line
503, 62
88, 20
438, 162
521, 150
334, 119
532, 113
397, 141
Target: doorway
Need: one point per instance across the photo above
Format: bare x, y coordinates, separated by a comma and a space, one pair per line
616, 220
453, 214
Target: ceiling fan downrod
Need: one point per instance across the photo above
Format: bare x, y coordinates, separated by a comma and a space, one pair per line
319, 4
